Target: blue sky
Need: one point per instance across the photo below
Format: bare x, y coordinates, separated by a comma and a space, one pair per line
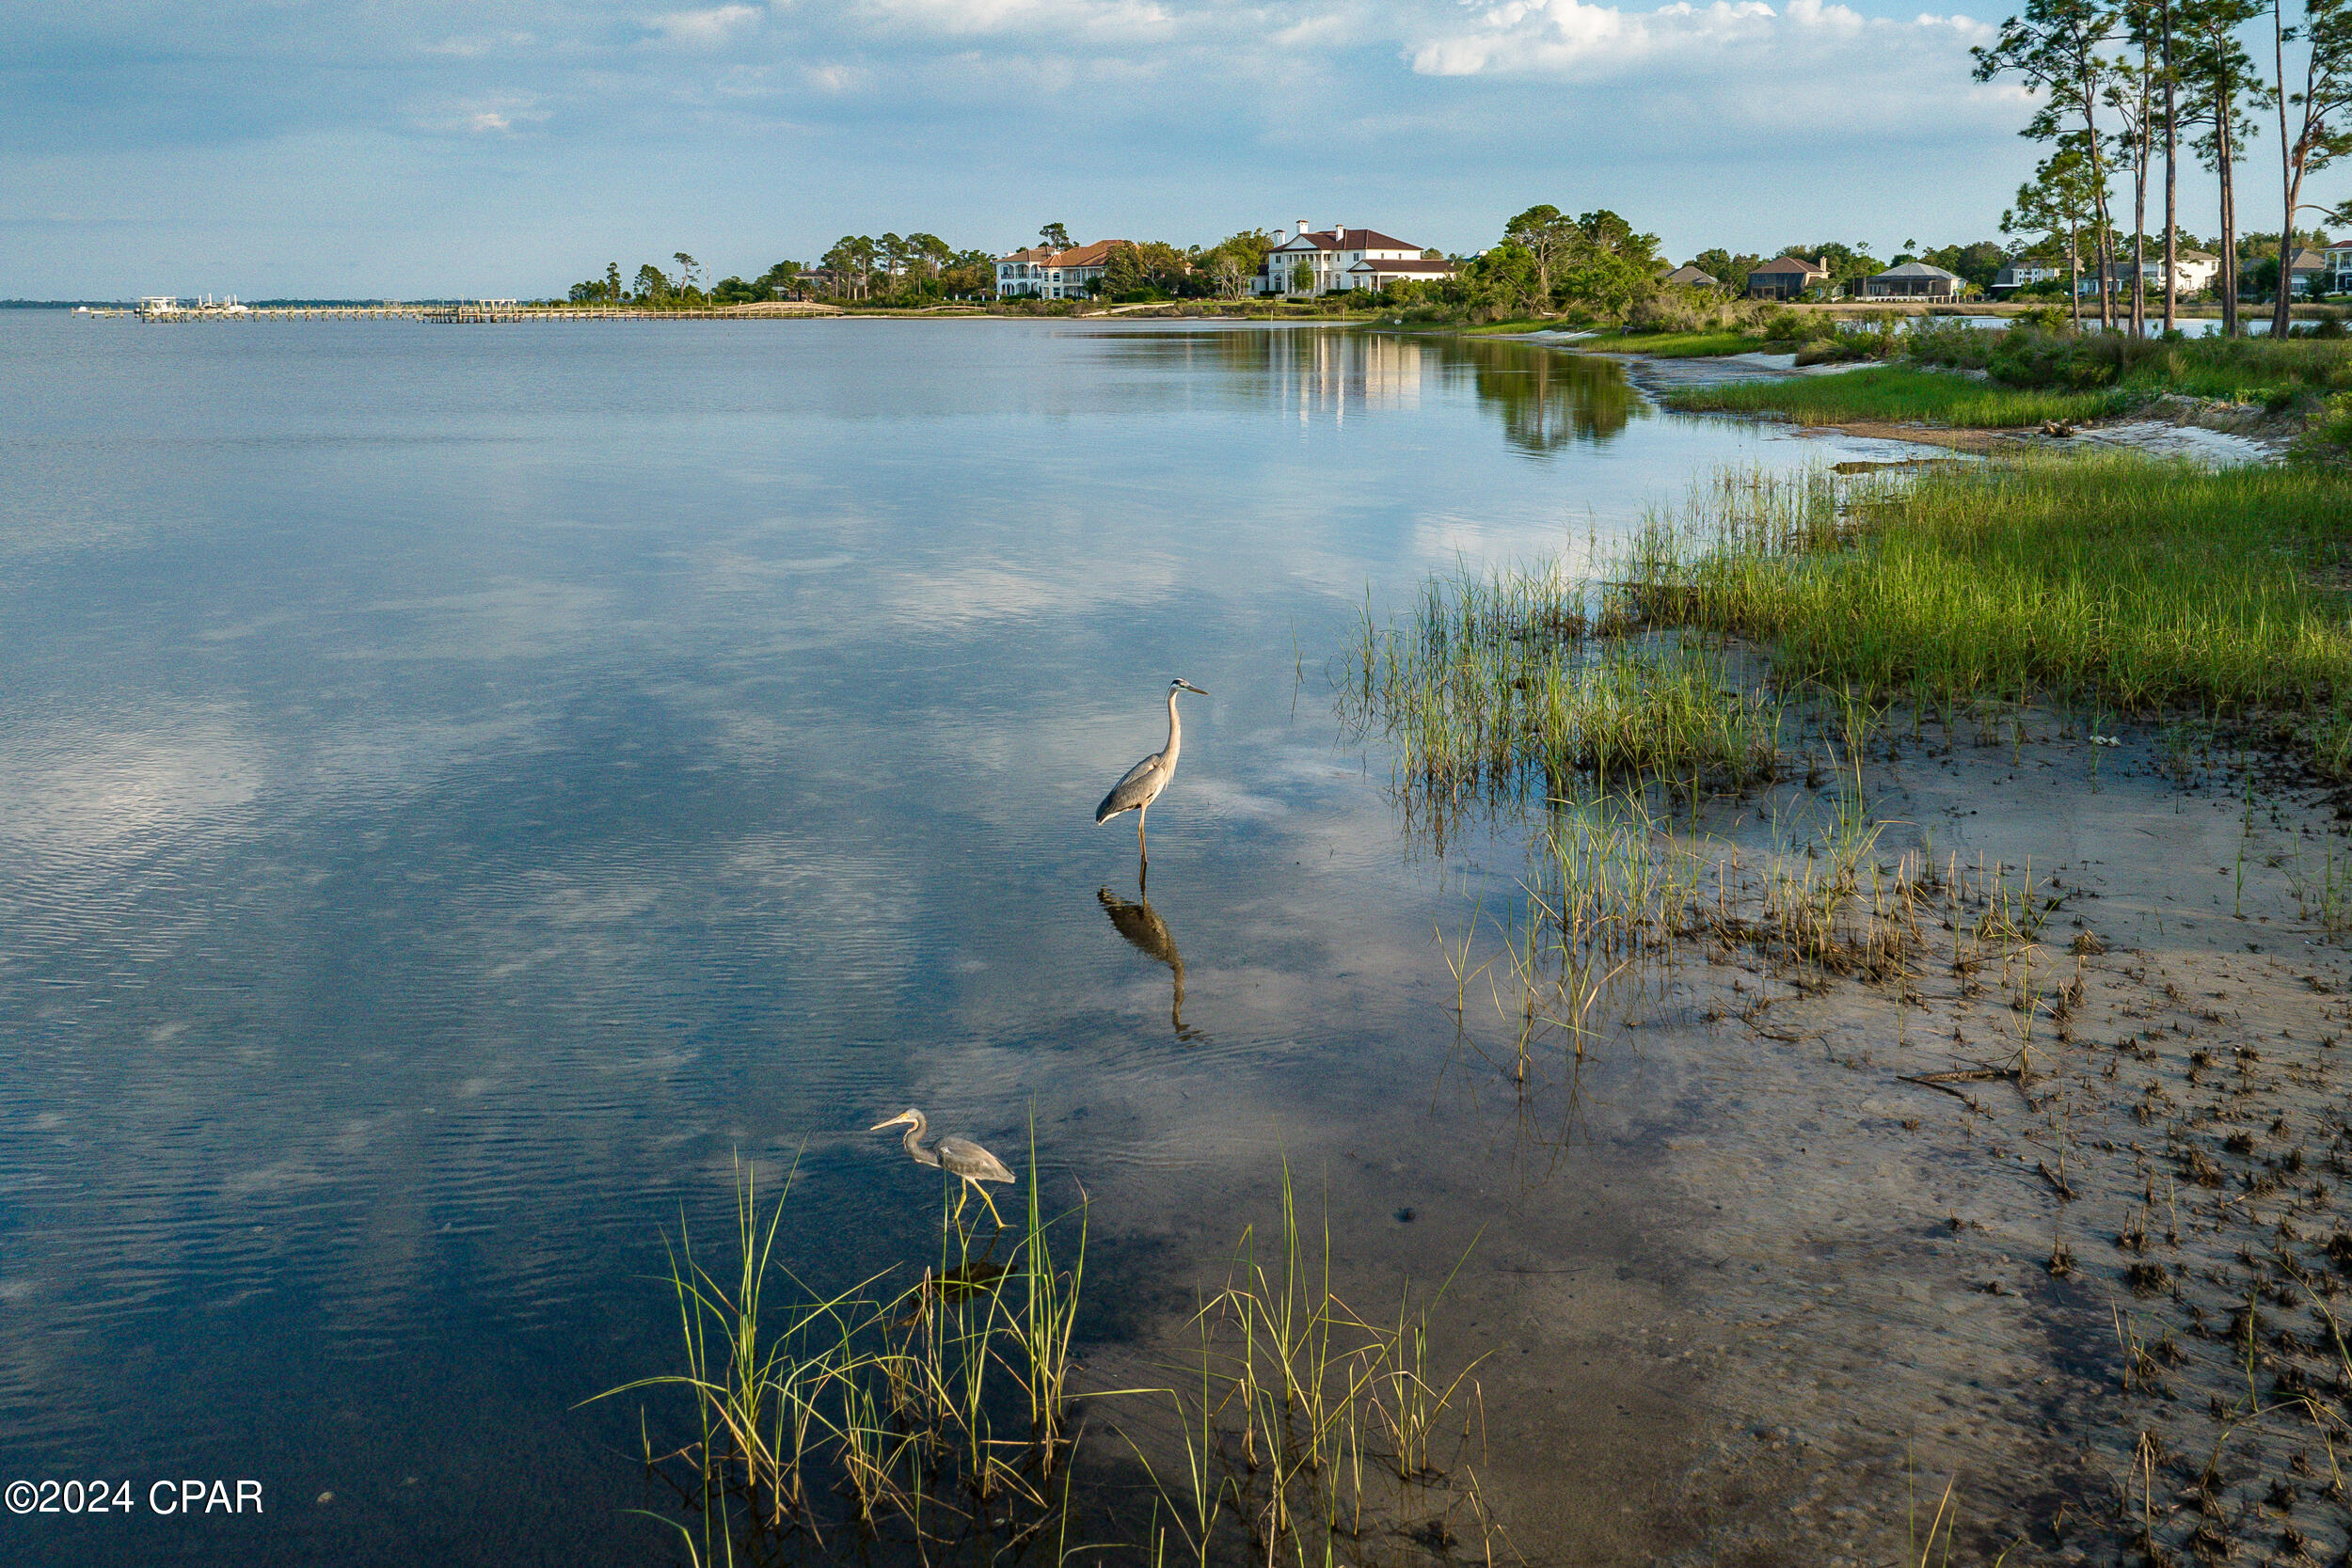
511, 147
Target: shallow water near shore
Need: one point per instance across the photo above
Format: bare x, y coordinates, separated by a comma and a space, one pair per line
461, 791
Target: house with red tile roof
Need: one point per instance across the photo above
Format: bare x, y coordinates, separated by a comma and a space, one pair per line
1044, 271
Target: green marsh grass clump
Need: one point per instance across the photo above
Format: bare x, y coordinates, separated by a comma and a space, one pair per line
1304, 1429
1619, 882
2054, 355
2328, 437
1690, 311
1515, 680
1678, 346
2244, 369
934, 1413
2138, 584
2066, 359
1902, 393
939, 1415
2031, 372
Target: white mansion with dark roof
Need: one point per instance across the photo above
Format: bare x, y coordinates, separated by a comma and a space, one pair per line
1315, 262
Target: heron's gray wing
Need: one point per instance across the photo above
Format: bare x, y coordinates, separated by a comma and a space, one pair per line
966, 1158
1129, 792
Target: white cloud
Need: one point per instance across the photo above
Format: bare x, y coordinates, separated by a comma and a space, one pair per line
1524, 37
1096, 19
710, 28
830, 79
1706, 119
474, 48
489, 115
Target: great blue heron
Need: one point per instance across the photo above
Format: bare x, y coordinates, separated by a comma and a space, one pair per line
954, 1155
1146, 778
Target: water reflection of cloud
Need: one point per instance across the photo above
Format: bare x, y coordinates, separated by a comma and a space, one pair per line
1578, 545
78, 788
1222, 797
960, 599
851, 918
515, 619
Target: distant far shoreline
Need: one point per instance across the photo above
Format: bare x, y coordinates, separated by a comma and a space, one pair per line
268, 304
1331, 311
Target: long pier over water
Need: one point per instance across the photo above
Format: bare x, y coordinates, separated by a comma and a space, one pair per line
467, 312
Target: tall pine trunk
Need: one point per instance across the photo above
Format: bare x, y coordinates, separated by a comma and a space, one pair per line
2074, 269
2171, 180
2139, 203
2282, 309
2099, 205
2225, 154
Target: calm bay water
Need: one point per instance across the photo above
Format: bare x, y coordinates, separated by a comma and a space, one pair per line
461, 790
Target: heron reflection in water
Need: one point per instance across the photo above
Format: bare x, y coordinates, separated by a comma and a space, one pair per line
956, 1156
1148, 934
1146, 778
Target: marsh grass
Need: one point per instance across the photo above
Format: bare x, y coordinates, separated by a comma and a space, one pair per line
2241, 369
2322, 888
1608, 710
1308, 1433
871, 1412
2245, 370
1899, 393
2114, 580
1678, 345
1584, 705
939, 1416
1528, 683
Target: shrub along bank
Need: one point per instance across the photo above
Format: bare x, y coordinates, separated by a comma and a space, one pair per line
2038, 370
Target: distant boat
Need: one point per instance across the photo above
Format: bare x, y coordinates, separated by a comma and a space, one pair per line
170, 305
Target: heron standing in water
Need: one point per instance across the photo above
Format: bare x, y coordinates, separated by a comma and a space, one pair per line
956, 1156
1146, 778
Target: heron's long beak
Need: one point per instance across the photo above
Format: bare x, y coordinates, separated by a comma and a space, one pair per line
1194, 689
891, 1122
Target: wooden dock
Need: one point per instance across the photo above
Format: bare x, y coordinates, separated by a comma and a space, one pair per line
468, 312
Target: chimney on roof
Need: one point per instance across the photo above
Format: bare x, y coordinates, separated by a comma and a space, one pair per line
1302, 228
1339, 236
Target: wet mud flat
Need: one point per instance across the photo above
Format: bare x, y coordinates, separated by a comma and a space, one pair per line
1999, 1220
1962, 1235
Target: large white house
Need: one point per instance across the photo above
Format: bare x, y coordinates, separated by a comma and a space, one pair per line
2340, 269
2198, 270
1314, 261
1047, 273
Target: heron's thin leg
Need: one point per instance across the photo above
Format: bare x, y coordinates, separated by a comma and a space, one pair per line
1140, 815
991, 1202
962, 1192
